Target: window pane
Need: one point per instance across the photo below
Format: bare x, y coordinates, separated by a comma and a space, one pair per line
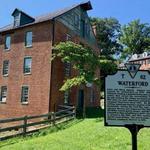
3, 93
77, 21
67, 69
66, 97
68, 37
24, 95
5, 67
16, 20
87, 29
7, 42
27, 65
28, 40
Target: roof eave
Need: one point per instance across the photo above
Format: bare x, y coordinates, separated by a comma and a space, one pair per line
87, 5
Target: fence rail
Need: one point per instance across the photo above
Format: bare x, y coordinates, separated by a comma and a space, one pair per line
23, 124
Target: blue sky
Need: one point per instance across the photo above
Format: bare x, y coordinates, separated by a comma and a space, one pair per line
124, 10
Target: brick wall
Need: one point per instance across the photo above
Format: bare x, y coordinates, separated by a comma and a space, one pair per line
57, 97
38, 81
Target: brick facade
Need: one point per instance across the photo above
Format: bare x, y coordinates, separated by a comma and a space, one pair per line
143, 59
46, 77
57, 97
39, 79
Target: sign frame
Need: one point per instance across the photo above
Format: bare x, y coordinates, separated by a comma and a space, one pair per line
105, 121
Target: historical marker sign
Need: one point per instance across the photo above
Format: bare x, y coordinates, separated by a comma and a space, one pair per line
127, 97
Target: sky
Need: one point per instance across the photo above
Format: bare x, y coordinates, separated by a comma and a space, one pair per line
124, 10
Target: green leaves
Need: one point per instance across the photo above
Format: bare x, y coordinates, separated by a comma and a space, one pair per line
83, 60
135, 38
69, 83
108, 32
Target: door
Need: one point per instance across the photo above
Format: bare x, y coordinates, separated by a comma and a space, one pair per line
81, 99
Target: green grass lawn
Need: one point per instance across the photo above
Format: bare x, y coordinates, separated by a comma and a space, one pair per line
88, 134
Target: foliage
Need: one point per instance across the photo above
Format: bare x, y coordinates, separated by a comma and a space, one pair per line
88, 134
135, 38
107, 66
108, 32
84, 60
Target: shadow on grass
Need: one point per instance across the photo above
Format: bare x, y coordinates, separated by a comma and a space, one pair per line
41, 132
94, 112
91, 112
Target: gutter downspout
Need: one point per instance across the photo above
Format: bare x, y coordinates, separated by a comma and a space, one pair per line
53, 42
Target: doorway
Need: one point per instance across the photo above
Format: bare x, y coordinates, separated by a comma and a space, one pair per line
81, 99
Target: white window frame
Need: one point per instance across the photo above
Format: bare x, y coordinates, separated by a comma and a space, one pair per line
24, 64
26, 39
3, 98
22, 96
5, 45
5, 68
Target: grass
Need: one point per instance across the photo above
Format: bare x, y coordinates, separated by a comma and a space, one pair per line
88, 134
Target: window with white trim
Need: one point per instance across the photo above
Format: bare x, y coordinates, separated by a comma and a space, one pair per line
27, 65
28, 39
5, 67
7, 42
25, 94
3, 94
17, 20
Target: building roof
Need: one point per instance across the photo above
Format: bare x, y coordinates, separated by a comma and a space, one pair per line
138, 57
21, 12
49, 16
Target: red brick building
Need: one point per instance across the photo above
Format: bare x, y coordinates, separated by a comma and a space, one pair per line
29, 81
143, 59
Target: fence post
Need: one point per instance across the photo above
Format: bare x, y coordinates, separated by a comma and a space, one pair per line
53, 118
74, 111
25, 125
49, 117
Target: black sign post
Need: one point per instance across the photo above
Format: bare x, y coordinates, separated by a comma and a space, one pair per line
134, 129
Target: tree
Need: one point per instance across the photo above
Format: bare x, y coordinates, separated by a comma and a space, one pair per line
107, 33
107, 67
84, 60
135, 37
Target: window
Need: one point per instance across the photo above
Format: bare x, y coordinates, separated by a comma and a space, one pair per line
3, 94
67, 69
28, 39
5, 67
141, 62
27, 65
16, 20
92, 96
7, 42
68, 37
77, 21
25, 94
66, 97
87, 29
